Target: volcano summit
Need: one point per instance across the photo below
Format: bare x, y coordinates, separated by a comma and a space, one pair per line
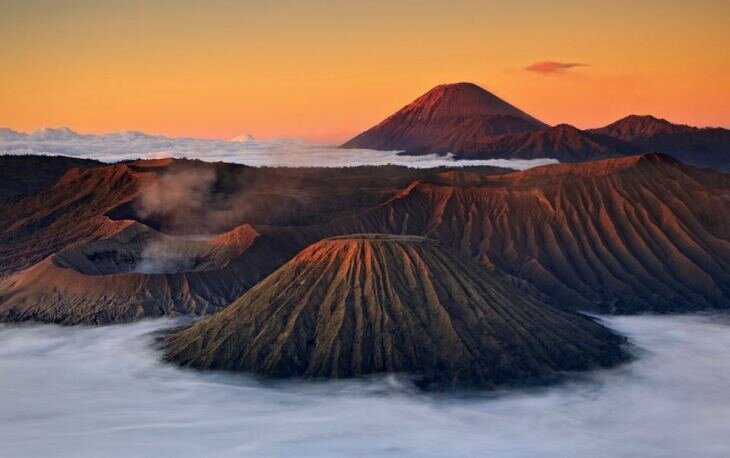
445, 119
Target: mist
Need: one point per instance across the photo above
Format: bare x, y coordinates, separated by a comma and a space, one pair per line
120, 146
163, 257
76, 392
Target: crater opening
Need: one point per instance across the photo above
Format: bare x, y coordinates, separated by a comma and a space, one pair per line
146, 251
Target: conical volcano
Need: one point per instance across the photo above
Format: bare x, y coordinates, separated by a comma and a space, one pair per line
446, 118
363, 304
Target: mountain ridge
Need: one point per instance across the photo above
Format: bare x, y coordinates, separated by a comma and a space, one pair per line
620, 235
512, 134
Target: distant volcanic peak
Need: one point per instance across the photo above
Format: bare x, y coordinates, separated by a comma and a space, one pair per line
363, 304
464, 100
443, 118
641, 126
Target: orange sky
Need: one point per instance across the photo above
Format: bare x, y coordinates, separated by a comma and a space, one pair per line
325, 72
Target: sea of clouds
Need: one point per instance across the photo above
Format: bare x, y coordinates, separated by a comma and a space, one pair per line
118, 146
90, 392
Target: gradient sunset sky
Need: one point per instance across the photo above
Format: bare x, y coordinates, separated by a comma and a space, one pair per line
324, 71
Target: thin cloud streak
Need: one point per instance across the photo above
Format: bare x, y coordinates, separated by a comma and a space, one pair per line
549, 67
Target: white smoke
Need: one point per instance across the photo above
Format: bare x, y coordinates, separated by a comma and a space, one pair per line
89, 392
273, 153
162, 257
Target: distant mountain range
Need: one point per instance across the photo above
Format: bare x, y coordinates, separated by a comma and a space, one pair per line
64, 133
472, 123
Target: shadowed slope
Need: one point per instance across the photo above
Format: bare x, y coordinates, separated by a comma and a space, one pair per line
69, 212
563, 142
365, 304
22, 175
704, 147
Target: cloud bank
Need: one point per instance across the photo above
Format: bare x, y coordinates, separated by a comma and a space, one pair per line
88, 392
242, 150
548, 67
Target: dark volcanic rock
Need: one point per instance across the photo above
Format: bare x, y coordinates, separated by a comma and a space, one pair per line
24, 174
364, 304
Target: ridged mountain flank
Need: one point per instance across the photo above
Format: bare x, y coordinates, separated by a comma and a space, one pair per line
628, 234
116, 243
370, 303
444, 117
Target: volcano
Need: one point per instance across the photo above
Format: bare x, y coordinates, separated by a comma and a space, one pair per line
471, 123
444, 118
363, 304
135, 273
703, 147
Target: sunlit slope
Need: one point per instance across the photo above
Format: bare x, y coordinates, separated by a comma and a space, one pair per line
364, 304
620, 235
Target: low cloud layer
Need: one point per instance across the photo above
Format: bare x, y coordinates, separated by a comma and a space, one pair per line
276, 153
548, 67
109, 395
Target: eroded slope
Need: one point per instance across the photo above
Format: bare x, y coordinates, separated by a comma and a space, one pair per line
364, 304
